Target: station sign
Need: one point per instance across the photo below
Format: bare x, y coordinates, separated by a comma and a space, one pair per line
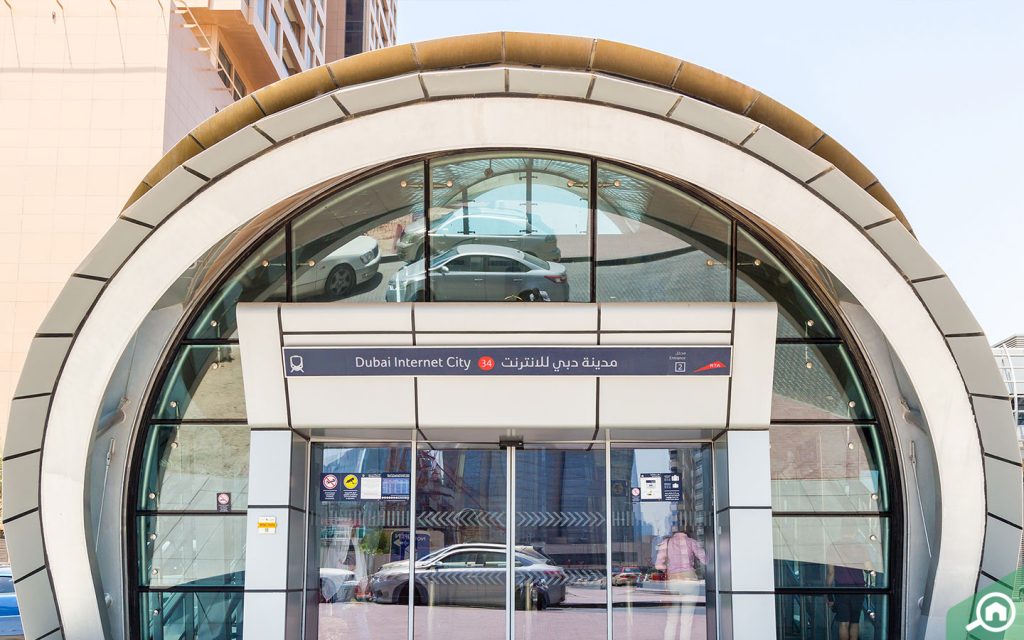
595, 360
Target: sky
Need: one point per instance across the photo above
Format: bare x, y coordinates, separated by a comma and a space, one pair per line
927, 93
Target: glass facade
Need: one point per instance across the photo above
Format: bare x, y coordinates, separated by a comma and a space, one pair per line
495, 227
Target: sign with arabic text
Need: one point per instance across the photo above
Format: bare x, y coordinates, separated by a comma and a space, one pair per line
597, 360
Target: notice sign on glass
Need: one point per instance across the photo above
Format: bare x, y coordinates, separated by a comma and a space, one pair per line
508, 361
660, 487
352, 487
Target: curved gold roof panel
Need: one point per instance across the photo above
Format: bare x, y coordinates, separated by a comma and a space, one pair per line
508, 48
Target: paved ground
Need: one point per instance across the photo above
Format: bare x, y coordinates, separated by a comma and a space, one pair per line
583, 617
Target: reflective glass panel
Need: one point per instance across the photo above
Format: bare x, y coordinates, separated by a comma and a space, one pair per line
560, 544
261, 278
361, 506
199, 550
662, 542
207, 615
203, 383
814, 617
185, 467
850, 552
817, 382
826, 468
506, 228
655, 243
760, 277
460, 515
348, 246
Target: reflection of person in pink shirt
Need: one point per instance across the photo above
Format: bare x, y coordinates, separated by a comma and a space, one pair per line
678, 555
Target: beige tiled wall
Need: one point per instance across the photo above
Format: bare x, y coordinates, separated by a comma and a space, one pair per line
83, 91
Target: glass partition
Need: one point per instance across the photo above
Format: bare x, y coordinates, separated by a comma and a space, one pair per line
657, 243
827, 468
349, 246
186, 466
194, 550
813, 617
362, 541
461, 516
185, 614
837, 553
261, 278
507, 227
817, 382
204, 383
662, 541
761, 277
560, 544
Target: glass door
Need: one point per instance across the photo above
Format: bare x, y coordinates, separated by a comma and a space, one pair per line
603, 543
561, 545
460, 580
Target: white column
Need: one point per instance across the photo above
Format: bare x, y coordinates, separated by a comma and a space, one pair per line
276, 521
745, 580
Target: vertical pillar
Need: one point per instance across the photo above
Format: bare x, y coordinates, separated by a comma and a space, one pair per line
745, 579
276, 522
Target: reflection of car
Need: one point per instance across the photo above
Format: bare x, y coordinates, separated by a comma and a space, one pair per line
335, 271
479, 272
503, 228
10, 616
337, 585
627, 576
472, 575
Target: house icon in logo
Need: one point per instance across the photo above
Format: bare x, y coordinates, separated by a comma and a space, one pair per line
996, 612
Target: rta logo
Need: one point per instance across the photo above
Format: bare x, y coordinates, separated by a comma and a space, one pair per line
486, 363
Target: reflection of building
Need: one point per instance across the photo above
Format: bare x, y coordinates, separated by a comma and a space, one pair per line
849, 348
96, 92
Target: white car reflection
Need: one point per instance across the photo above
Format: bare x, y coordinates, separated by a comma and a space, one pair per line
337, 585
333, 272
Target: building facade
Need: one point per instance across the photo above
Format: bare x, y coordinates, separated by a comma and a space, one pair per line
747, 404
94, 93
1010, 359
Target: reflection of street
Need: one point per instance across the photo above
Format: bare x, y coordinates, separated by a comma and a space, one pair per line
587, 619
616, 282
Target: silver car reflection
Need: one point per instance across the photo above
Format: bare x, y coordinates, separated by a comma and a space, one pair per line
477, 273
472, 575
490, 226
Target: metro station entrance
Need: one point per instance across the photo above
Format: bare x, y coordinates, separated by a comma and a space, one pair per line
604, 542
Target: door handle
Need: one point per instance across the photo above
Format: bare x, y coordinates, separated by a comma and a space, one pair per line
517, 279
478, 279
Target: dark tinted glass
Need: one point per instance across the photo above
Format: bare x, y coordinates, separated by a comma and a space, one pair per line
203, 383
817, 382
817, 617
207, 615
760, 277
261, 278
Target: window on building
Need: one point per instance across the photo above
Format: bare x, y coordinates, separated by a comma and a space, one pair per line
261, 12
272, 30
229, 74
